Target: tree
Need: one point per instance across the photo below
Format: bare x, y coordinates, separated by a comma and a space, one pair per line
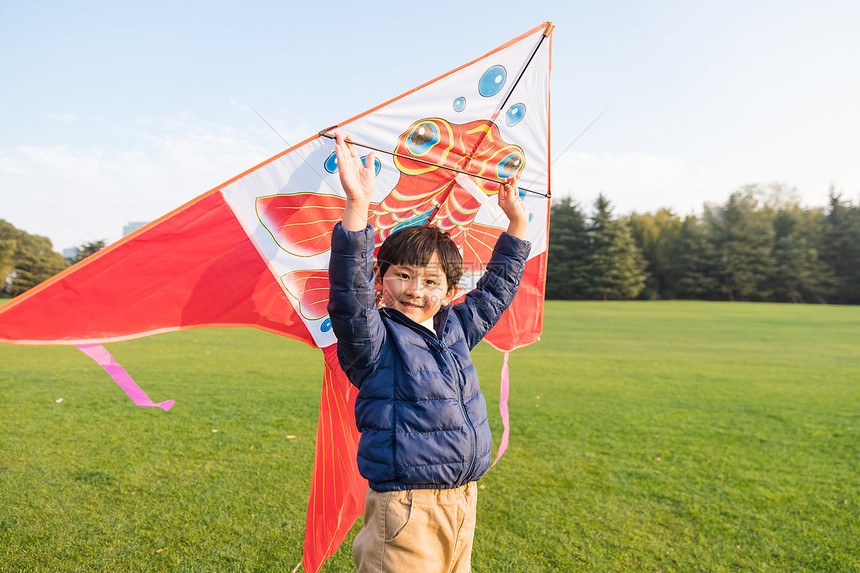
617, 265
32, 260
85, 250
568, 272
742, 234
696, 269
658, 236
7, 262
798, 275
841, 248
35, 267
8, 246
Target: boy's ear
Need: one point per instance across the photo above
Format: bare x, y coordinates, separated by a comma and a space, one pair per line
447, 300
377, 278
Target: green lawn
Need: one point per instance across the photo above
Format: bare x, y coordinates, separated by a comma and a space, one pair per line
647, 436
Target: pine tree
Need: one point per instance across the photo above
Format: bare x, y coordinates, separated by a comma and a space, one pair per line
85, 250
742, 234
617, 265
568, 261
841, 249
696, 269
798, 274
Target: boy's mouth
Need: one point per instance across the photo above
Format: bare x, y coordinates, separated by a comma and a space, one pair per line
411, 305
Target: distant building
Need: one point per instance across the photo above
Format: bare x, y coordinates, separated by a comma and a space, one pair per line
133, 226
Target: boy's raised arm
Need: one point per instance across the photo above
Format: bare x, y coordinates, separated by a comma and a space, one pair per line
352, 303
357, 181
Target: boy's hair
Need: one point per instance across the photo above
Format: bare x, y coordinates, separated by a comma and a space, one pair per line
415, 246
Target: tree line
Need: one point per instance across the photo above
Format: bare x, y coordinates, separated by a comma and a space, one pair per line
760, 245
26, 260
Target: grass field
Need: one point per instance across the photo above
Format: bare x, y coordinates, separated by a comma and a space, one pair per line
647, 436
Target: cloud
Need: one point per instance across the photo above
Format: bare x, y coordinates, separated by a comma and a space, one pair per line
634, 181
645, 182
77, 194
62, 117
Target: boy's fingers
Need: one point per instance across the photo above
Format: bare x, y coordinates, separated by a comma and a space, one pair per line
342, 141
341, 146
505, 191
368, 162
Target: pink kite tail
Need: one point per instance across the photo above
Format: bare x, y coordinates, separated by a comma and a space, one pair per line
103, 358
503, 409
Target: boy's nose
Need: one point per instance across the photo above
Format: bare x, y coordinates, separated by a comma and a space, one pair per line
414, 287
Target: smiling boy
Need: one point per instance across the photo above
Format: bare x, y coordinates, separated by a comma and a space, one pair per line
416, 291
425, 439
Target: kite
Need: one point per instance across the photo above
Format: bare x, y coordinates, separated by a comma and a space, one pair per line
253, 252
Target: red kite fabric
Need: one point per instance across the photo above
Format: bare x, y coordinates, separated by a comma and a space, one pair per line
253, 251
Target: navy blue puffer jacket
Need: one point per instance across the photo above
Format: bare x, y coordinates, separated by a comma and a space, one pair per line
420, 410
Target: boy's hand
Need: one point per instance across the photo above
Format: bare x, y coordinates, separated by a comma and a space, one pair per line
357, 181
514, 208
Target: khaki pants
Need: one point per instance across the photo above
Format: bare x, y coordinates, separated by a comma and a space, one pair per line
421, 530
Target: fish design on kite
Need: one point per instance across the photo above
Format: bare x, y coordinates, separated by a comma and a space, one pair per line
430, 155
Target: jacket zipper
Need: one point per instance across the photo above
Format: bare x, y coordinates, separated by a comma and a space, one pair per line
474, 441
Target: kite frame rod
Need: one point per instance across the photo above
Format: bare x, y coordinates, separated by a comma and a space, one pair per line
326, 133
547, 31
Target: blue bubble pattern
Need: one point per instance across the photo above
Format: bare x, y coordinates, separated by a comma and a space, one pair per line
492, 81
331, 163
515, 114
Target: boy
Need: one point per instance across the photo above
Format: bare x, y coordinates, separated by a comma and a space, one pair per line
423, 419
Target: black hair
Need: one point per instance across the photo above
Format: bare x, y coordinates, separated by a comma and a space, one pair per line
415, 246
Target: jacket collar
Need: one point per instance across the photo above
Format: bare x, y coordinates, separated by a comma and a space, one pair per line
439, 320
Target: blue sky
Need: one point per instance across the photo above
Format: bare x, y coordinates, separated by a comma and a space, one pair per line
118, 112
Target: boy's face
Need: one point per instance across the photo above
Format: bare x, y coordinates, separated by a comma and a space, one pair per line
417, 292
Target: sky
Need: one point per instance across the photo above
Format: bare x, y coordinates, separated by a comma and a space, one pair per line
122, 111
